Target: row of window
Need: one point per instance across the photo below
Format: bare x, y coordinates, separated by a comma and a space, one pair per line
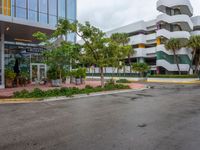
43, 11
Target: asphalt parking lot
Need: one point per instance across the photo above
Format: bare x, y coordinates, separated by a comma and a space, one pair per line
165, 117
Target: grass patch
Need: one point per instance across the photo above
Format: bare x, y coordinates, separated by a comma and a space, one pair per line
68, 92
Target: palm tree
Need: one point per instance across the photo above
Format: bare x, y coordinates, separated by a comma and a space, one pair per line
123, 39
174, 45
194, 44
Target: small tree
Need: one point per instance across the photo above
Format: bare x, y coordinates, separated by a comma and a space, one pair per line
174, 45
60, 55
141, 68
97, 48
123, 39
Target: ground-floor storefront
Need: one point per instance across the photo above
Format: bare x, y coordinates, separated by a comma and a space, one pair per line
20, 52
23, 58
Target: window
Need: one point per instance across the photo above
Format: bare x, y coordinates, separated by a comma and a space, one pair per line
21, 9
52, 20
32, 10
12, 8
43, 6
52, 12
43, 11
43, 18
61, 9
32, 5
71, 10
53, 7
71, 37
32, 15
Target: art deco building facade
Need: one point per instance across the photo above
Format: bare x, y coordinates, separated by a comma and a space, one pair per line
176, 20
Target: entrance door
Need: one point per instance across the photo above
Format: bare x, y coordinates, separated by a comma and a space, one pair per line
38, 72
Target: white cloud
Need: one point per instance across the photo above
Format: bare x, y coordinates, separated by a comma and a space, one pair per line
109, 14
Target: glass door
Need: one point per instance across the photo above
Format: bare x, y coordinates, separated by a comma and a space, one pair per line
38, 72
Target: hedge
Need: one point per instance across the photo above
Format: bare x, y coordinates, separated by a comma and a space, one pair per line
173, 76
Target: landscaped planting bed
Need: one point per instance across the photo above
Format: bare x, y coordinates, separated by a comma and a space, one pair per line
68, 92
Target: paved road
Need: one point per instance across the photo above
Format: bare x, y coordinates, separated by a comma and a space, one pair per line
166, 117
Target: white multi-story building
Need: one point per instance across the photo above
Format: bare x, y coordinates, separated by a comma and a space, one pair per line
147, 38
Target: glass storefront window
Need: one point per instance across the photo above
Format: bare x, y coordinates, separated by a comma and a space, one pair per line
71, 9
61, 8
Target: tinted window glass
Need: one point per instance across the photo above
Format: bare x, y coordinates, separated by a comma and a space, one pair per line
53, 7
61, 8
21, 9
71, 9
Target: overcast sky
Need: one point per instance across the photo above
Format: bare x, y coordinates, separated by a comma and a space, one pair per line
109, 14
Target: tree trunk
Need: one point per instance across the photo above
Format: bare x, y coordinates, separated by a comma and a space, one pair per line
196, 65
193, 56
176, 61
102, 77
129, 61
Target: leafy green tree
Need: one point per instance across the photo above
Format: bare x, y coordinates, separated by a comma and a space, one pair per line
174, 45
60, 55
140, 68
194, 44
123, 39
100, 50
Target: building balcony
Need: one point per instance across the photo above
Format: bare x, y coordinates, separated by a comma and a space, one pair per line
183, 21
176, 34
184, 6
145, 52
172, 67
137, 39
142, 39
182, 51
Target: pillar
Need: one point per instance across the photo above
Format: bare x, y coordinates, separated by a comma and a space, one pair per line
2, 57
158, 41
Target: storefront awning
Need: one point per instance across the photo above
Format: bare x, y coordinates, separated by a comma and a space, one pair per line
21, 30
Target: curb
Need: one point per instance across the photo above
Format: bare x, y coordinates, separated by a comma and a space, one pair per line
61, 98
91, 95
176, 82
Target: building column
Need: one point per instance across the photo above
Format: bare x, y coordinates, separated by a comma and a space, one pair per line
2, 57
141, 60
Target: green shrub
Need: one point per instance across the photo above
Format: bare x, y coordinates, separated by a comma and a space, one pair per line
111, 81
173, 76
9, 74
123, 81
68, 92
89, 87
